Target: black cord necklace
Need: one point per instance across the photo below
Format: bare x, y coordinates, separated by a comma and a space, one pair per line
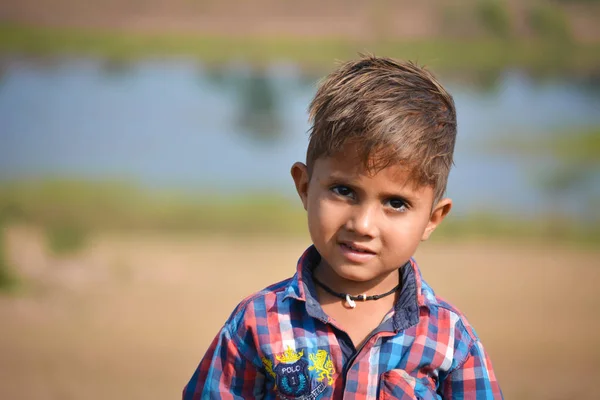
350, 300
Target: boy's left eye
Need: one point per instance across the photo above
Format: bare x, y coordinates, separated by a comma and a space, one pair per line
342, 190
397, 204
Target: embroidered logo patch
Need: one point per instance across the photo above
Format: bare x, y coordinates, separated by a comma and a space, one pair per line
292, 374
292, 377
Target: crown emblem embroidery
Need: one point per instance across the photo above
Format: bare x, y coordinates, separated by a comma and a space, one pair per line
289, 356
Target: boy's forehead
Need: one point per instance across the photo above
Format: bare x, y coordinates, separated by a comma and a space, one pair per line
350, 164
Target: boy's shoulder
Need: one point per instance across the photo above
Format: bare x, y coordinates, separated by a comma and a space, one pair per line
444, 310
259, 304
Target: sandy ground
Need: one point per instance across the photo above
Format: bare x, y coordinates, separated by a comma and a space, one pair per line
130, 317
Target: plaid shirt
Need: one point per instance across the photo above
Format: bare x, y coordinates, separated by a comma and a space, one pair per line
278, 343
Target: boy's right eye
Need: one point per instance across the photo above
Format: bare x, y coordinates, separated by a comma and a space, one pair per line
342, 190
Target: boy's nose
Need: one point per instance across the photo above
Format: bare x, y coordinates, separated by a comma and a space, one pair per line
363, 220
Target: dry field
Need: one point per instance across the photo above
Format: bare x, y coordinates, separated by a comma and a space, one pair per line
130, 317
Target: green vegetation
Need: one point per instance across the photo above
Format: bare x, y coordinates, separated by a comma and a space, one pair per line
552, 229
69, 211
479, 54
549, 22
65, 238
495, 17
577, 146
8, 280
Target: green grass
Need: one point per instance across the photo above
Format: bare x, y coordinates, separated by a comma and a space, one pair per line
8, 279
65, 238
69, 211
573, 146
71, 208
552, 229
477, 54
495, 16
581, 146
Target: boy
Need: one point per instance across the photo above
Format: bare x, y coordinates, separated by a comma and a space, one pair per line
357, 321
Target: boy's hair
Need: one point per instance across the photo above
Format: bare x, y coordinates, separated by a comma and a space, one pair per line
393, 112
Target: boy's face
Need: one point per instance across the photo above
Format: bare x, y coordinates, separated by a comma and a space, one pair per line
365, 226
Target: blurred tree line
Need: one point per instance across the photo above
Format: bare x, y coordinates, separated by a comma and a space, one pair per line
544, 20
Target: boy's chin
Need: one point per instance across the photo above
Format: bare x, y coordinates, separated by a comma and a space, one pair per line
357, 273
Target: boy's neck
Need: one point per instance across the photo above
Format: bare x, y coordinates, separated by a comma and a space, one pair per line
376, 286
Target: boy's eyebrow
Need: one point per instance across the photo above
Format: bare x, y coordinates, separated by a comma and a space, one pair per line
338, 176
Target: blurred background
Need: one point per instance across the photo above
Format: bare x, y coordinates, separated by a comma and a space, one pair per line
145, 149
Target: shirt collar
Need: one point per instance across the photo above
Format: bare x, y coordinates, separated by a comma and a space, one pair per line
302, 287
406, 309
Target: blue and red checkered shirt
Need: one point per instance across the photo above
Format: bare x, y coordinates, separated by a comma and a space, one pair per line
278, 343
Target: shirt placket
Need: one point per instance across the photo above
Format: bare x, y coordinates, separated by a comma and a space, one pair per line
358, 369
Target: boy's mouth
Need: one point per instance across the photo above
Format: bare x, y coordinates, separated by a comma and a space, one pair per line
348, 246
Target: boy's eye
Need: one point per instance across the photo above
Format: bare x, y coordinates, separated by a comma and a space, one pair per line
397, 204
343, 191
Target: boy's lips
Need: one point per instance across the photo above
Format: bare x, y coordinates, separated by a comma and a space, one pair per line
355, 252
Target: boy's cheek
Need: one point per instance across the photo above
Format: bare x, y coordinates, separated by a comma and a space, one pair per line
328, 213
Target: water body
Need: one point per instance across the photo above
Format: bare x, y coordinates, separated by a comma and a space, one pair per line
234, 128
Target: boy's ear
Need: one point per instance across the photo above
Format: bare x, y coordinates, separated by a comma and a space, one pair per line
300, 175
438, 214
